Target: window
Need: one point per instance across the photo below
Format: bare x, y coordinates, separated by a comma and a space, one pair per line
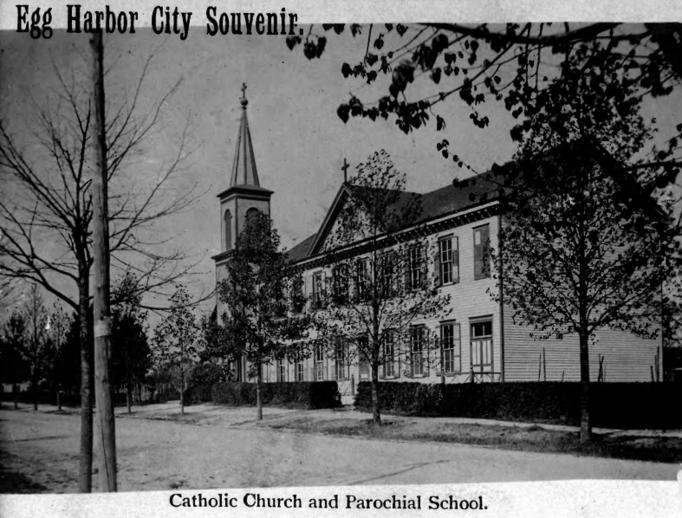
448, 260
318, 289
390, 364
363, 367
228, 230
318, 364
415, 269
482, 346
482, 252
340, 284
362, 279
250, 213
281, 372
417, 338
386, 273
298, 371
451, 350
341, 363
296, 295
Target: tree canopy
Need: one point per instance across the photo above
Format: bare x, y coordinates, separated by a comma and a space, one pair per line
416, 69
378, 292
257, 323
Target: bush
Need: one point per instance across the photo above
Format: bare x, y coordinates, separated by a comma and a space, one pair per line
318, 394
617, 405
207, 374
68, 399
200, 393
164, 396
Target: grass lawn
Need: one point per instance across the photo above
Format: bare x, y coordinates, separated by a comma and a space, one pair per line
534, 438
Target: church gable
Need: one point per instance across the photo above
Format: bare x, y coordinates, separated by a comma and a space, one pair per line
328, 237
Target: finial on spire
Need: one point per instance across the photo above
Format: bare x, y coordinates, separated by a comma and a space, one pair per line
243, 99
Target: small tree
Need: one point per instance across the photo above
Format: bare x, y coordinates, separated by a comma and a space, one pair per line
391, 289
13, 365
256, 324
217, 350
130, 348
176, 345
57, 328
35, 346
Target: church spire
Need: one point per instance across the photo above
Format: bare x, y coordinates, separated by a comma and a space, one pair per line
244, 166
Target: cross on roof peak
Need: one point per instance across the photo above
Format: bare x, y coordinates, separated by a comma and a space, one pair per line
345, 167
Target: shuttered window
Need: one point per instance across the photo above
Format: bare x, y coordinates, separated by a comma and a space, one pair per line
340, 283
318, 289
281, 371
482, 252
318, 364
451, 348
447, 259
415, 269
417, 350
341, 363
362, 279
390, 363
299, 371
363, 366
387, 275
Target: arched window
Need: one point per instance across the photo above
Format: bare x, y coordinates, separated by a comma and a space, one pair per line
228, 230
253, 211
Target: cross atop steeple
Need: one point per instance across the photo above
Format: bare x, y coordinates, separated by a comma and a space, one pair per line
243, 99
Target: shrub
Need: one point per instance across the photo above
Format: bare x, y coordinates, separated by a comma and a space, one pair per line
617, 405
318, 394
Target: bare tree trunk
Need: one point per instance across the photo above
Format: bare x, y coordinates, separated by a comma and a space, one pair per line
376, 412
85, 468
259, 401
129, 397
129, 388
106, 443
374, 360
15, 393
182, 391
585, 418
34, 387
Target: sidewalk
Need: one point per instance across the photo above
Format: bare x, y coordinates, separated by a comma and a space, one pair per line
643, 445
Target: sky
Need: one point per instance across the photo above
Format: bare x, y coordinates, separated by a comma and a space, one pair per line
299, 141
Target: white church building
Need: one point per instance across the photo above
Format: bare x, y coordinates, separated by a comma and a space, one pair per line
479, 340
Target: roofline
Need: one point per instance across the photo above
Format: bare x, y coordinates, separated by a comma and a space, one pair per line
222, 256
246, 189
428, 222
328, 216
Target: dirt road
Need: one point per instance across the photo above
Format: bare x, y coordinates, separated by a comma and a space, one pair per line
231, 452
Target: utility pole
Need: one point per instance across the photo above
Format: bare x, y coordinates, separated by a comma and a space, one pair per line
105, 440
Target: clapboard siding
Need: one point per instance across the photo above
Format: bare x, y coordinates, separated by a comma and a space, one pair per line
626, 356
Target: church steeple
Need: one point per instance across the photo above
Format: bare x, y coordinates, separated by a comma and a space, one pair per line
244, 193
244, 170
